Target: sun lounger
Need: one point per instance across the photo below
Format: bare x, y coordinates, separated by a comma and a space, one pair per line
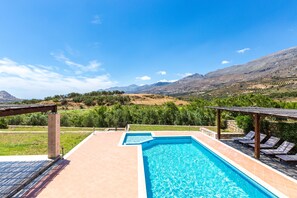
262, 137
283, 149
290, 159
250, 135
269, 144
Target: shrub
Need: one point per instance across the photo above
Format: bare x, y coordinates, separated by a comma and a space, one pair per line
245, 123
89, 102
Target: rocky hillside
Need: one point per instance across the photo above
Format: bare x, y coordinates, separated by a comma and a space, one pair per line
276, 72
5, 97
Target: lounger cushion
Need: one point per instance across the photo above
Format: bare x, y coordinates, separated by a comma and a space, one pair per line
248, 136
262, 137
270, 143
283, 149
287, 158
263, 146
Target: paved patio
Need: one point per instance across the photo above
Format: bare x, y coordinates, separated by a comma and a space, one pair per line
100, 168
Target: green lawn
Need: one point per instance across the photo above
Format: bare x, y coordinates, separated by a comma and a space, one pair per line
35, 144
44, 129
140, 127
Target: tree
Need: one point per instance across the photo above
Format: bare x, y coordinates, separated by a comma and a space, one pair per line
170, 112
115, 116
3, 124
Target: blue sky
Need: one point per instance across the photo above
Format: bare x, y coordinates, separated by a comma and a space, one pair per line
56, 47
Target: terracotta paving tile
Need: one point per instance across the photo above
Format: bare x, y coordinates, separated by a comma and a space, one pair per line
99, 168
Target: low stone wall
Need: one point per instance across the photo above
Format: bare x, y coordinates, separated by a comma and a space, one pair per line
224, 135
209, 132
232, 126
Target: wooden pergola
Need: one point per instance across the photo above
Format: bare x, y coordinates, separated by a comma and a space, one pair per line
53, 122
257, 113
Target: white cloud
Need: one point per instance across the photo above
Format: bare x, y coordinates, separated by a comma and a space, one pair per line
96, 20
225, 62
185, 74
162, 73
93, 65
165, 80
242, 51
143, 78
31, 81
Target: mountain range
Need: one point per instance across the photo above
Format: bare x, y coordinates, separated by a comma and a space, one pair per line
5, 97
276, 72
270, 75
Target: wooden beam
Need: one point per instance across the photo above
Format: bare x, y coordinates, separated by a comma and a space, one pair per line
257, 135
27, 109
218, 124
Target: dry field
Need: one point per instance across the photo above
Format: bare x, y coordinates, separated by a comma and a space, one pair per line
152, 99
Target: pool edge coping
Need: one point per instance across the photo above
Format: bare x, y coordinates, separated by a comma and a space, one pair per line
142, 193
244, 171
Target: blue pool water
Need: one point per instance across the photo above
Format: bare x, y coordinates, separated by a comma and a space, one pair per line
137, 138
182, 167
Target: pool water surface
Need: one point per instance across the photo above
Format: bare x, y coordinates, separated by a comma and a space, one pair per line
137, 138
182, 167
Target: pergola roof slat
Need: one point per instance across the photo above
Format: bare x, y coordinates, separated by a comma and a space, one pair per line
286, 113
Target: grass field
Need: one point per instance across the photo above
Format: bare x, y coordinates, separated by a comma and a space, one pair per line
35, 144
140, 127
44, 129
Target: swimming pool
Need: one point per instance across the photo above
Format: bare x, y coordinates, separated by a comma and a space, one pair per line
137, 138
183, 167
180, 166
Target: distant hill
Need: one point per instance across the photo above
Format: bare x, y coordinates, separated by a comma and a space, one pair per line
126, 89
136, 88
274, 73
5, 97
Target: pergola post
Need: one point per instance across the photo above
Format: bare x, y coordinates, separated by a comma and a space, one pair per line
257, 135
218, 124
53, 135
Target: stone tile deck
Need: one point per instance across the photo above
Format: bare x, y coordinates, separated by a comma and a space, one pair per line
273, 162
15, 170
100, 168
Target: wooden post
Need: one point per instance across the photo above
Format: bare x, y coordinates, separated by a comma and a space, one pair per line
218, 124
53, 135
257, 135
